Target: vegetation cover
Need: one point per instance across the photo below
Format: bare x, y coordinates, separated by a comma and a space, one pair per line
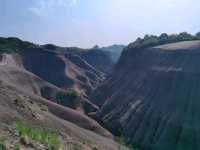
43, 136
12, 44
68, 98
164, 38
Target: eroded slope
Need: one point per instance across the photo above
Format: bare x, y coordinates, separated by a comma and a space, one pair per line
13, 74
37, 112
153, 97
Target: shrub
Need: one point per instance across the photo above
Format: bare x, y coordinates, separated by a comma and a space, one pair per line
163, 37
150, 40
184, 36
68, 98
17, 147
198, 35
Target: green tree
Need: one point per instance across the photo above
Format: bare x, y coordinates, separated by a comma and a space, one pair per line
185, 36
198, 35
164, 37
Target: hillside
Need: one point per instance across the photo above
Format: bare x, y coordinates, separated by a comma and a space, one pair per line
13, 74
63, 67
80, 69
63, 70
38, 115
102, 59
46, 90
152, 97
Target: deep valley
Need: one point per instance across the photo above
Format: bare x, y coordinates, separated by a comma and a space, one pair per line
144, 96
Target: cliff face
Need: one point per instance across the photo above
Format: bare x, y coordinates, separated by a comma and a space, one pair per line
63, 70
153, 96
102, 59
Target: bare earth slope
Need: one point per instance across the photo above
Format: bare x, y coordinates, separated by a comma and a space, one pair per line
154, 97
26, 71
13, 73
37, 112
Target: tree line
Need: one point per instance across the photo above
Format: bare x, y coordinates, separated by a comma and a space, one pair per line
164, 38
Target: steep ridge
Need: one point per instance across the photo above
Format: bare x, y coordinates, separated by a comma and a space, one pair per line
152, 97
61, 70
102, 59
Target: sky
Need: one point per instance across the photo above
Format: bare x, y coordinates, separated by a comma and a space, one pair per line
85, 23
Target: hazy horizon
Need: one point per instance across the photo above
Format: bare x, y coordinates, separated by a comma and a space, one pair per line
85, 23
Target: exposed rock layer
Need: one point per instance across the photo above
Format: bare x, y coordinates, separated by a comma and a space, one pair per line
153, 95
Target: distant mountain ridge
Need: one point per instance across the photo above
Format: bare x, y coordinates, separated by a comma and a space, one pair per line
102, 58
89, 65
114, 50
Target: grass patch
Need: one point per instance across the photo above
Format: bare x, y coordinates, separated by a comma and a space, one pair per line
17, 147
2, 144
51, 140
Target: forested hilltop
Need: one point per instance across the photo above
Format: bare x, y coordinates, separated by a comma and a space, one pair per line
164, 38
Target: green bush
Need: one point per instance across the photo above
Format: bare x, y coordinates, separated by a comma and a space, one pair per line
17, 147
43, 136
68, 98
186, 36
198, 35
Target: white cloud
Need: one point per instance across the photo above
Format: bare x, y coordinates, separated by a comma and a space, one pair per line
43, 8
73, 2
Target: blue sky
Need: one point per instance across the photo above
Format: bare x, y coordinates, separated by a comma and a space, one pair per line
85, 23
